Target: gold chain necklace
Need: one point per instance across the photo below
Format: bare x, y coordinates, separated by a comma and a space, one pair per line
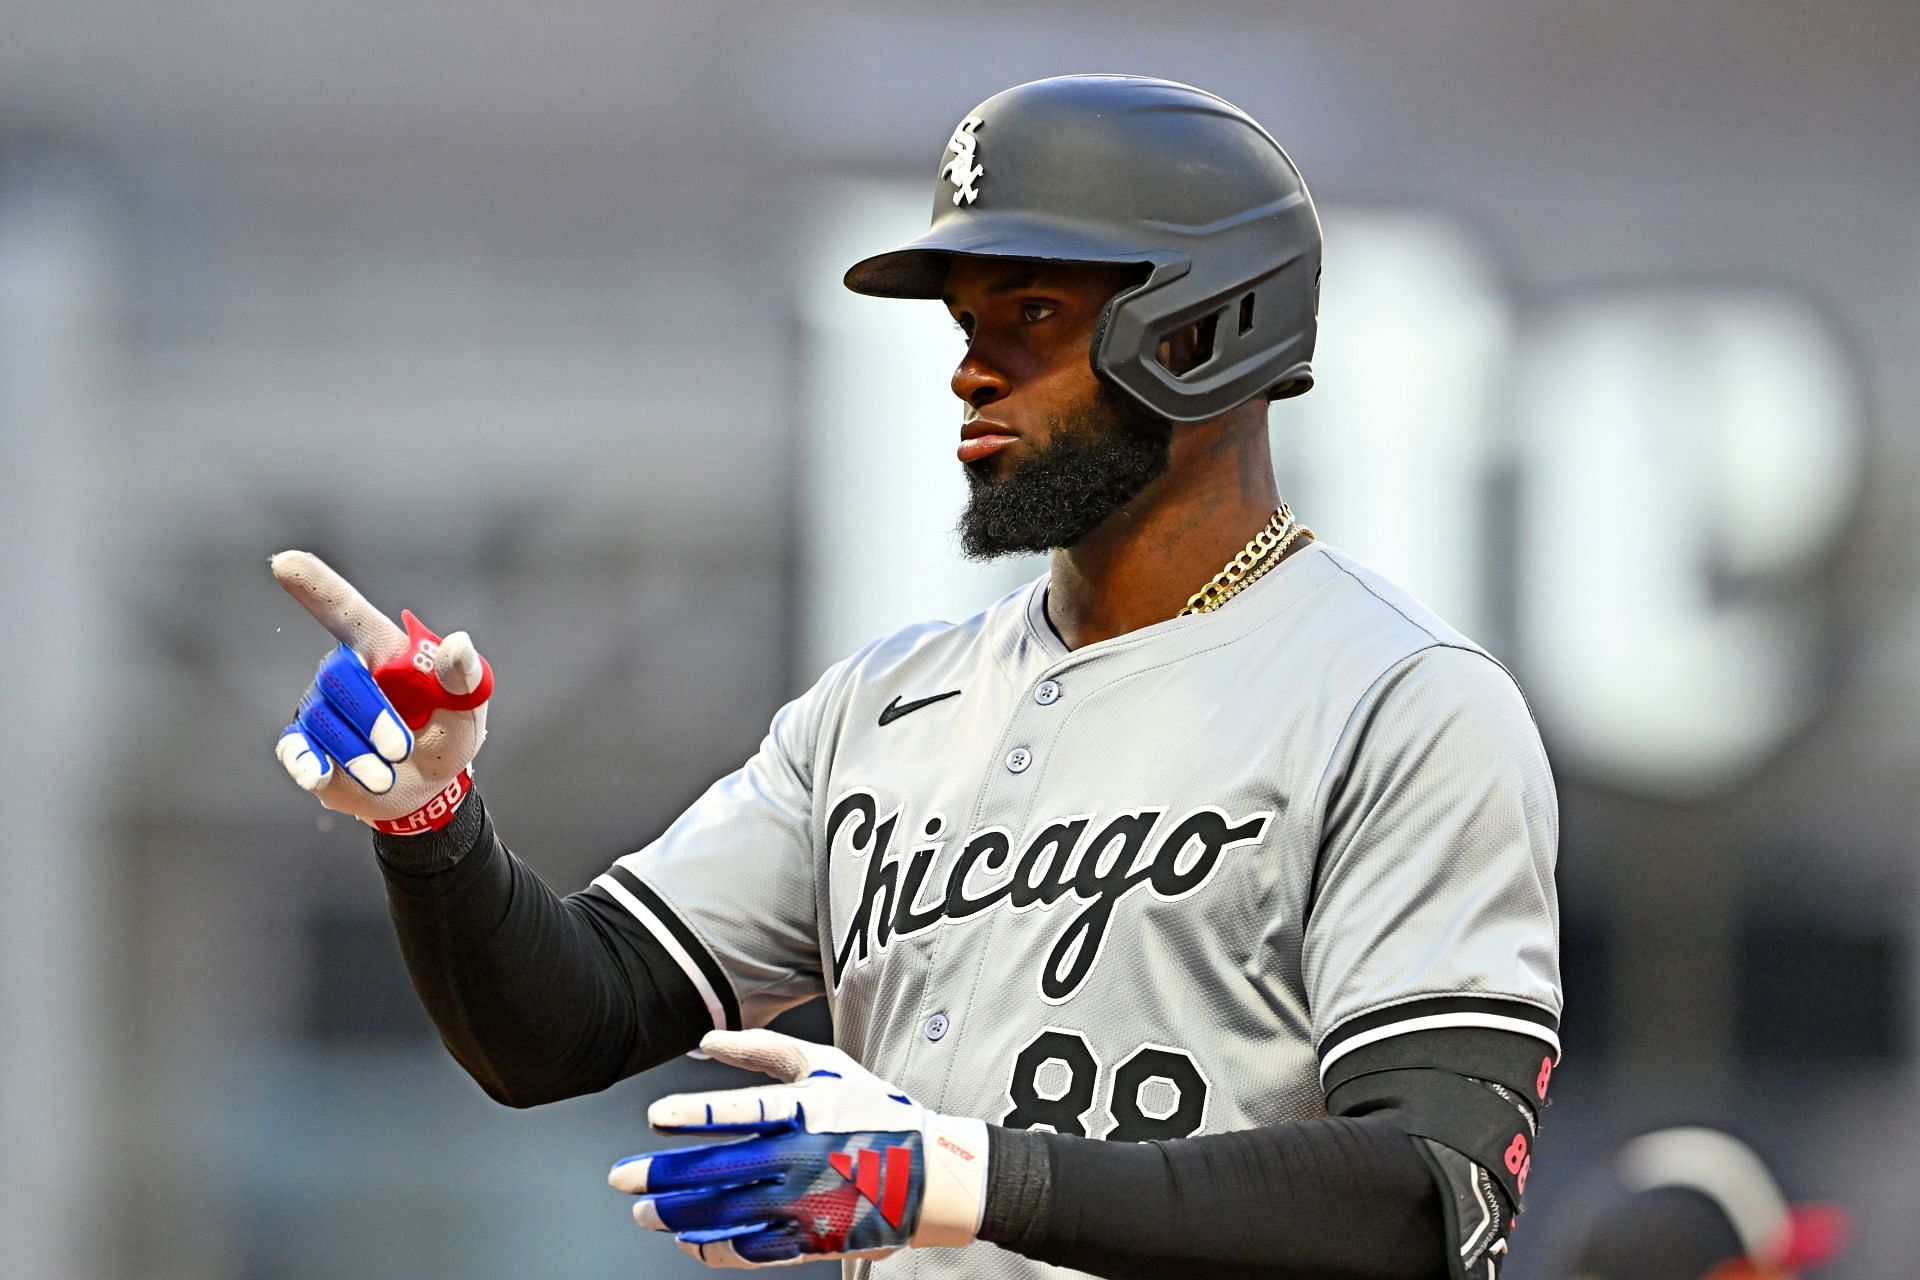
1250, 563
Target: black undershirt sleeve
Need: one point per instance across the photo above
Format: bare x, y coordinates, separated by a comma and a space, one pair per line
1334, 1198
1418, 1174
539, 997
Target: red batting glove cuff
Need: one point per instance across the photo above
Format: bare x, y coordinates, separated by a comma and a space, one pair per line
435, 813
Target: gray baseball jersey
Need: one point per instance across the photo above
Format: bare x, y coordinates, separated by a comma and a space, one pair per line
1149, 888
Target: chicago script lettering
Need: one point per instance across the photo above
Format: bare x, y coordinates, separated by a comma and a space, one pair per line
1097, 864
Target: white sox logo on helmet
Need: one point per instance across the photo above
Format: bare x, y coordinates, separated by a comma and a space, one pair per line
964, 171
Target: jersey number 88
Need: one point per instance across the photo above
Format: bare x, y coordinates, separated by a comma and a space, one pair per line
1138, 1115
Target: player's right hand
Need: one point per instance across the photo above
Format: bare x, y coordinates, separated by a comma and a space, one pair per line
832, 1162
389, 727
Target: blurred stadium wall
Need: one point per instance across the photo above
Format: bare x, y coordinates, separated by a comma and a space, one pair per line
526, 317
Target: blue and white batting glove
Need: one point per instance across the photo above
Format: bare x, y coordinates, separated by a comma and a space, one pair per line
837, 1163
389, 727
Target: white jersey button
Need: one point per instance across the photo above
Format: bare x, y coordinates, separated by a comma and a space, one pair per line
937, 1026
1018, 759
1047, 692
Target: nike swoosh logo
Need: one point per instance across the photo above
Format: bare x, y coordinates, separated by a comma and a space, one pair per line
895, 709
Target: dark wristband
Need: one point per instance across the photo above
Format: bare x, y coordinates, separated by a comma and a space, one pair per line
1018, 1176
432, 852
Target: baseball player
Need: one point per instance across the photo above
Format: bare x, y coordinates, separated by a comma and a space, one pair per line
1189, 911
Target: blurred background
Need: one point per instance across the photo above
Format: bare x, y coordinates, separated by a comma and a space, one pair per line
528, 317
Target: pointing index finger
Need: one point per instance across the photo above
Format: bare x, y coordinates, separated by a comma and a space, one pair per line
334, 603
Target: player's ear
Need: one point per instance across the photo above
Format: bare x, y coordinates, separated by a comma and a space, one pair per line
1186, 349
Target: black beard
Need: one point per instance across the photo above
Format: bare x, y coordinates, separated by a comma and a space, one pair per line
1098, 458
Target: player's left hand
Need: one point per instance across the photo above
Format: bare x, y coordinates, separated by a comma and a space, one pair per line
837, 1162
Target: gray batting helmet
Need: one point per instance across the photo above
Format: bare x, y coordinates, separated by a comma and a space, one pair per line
1124, 169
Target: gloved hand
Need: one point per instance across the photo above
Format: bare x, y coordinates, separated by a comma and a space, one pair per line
389, 727
839, 1163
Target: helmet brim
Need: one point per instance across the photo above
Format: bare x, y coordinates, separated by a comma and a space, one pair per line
918, 268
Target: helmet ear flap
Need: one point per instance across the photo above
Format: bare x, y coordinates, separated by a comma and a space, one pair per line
1189, 346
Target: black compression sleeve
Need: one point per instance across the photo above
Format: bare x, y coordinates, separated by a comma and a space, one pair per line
1337, 1197
538, 997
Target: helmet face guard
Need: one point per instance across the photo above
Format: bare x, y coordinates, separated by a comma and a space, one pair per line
1121, 170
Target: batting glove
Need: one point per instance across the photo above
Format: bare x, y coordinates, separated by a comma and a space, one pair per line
389, 727
839, 1163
